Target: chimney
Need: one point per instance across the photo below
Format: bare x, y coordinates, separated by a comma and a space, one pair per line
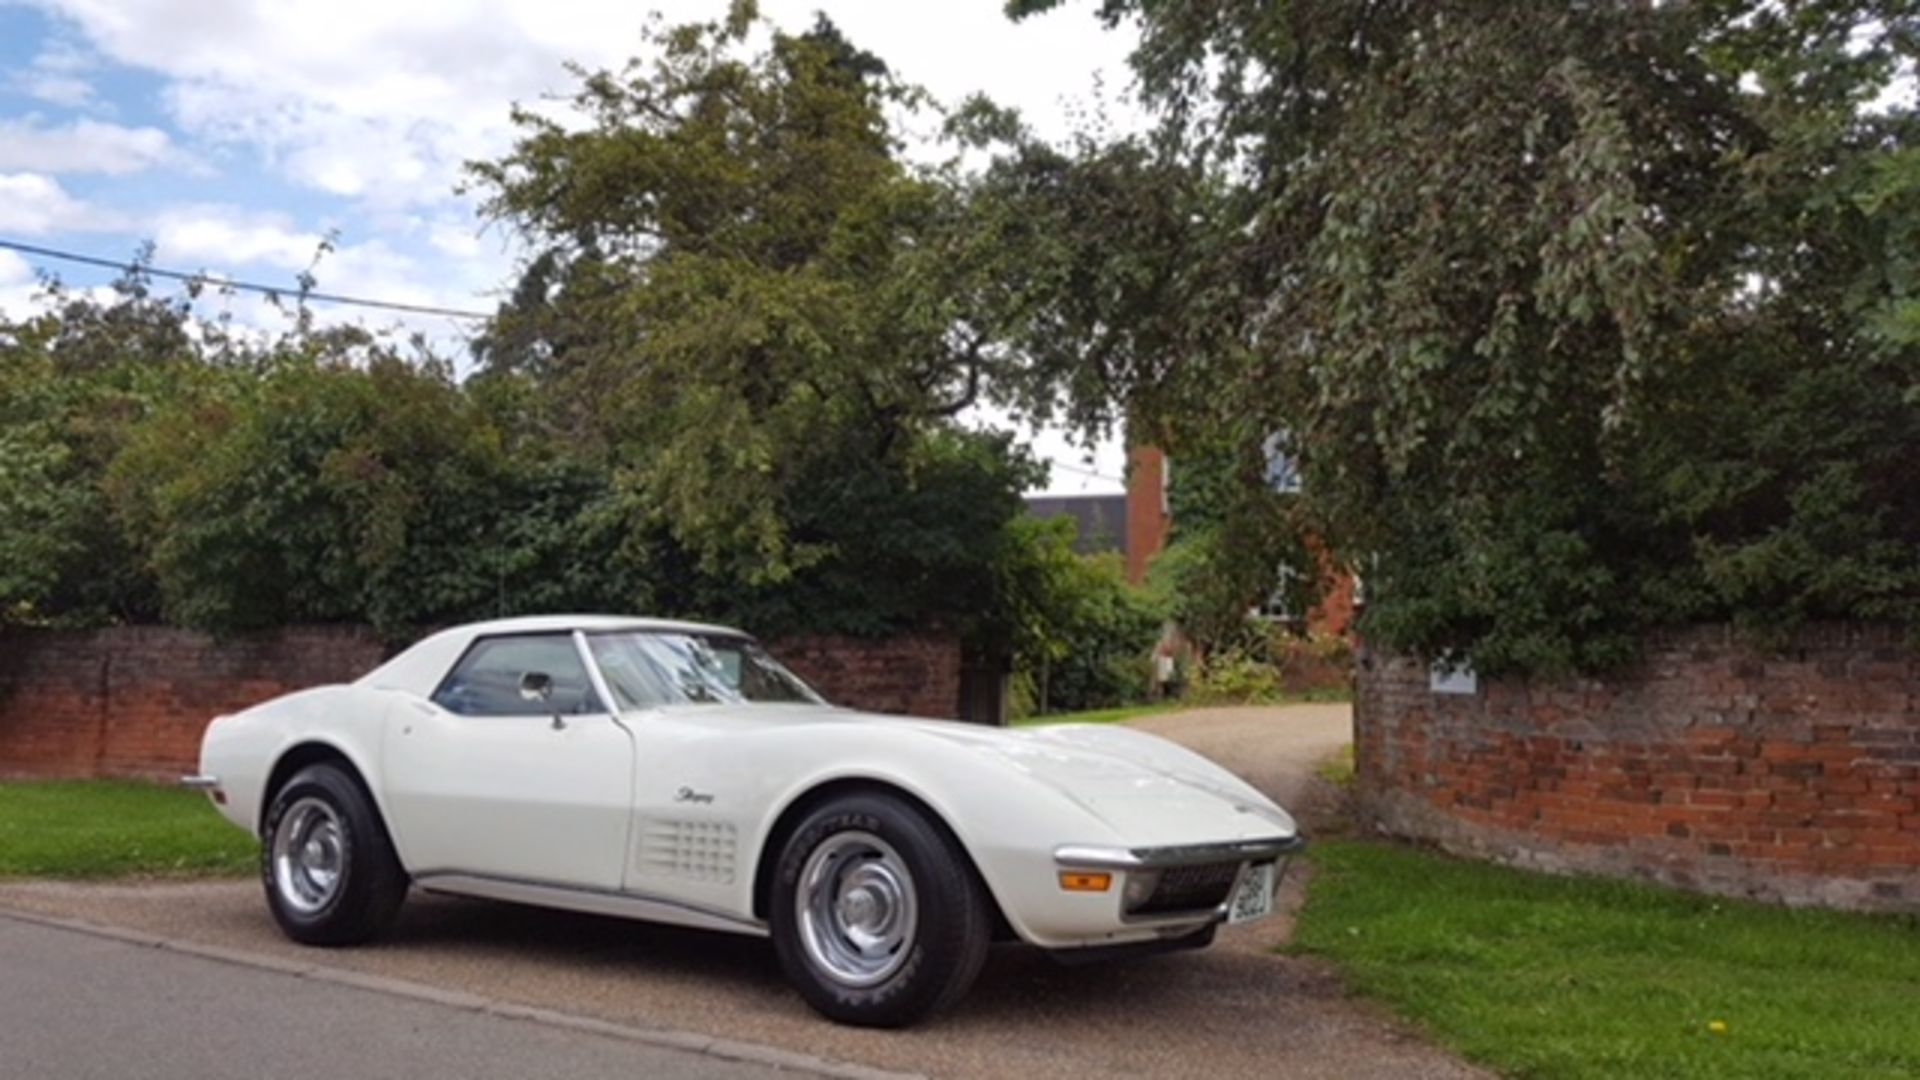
1147, 516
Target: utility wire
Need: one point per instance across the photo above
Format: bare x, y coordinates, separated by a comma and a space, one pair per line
334, 298
1058, 464
226, 283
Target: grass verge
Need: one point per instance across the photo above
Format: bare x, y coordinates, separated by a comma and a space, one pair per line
1124, 713
108, 828
1543, 976
1338, 769
1102, 716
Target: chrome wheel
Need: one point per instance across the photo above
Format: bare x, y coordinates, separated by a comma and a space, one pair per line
309, 855
856, 909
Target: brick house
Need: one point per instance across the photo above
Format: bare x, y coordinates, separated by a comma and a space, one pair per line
1138, 523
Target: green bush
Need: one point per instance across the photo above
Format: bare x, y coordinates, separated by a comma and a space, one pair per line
1234, 677
330, 476
1085, 634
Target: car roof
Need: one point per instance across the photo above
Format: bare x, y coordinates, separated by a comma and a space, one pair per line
535, 624
420, 667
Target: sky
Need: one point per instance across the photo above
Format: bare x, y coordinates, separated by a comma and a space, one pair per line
236, 134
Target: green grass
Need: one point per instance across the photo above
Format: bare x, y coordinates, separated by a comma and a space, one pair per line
109, 828
1542, 976
1338, 769
1124, 713
1321, 695
1102, 716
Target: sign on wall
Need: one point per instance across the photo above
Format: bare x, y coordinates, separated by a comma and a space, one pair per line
1453, 677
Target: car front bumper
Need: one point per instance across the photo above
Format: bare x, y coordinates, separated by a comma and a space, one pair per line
1055, 918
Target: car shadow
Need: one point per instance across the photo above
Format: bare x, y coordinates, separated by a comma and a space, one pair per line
430, 920
1021, 987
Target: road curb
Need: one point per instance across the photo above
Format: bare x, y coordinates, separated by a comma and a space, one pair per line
664, 1038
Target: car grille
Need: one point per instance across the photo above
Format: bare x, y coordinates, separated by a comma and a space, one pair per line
1191, 888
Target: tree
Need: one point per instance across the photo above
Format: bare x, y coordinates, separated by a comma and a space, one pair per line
1079, 635
724, 387
74, 381
1583, 318
741, 299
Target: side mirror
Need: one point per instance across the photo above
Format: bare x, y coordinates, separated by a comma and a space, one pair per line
536, 686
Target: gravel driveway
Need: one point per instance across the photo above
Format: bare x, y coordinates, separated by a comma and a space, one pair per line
1232, 1010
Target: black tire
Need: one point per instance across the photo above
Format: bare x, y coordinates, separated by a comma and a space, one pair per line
937, 962
367, 885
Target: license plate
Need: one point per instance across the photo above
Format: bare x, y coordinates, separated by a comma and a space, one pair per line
1254, 898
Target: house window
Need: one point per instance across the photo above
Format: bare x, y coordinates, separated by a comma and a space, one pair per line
1278, 605
1282, 471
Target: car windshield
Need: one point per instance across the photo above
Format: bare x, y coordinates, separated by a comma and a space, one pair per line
649, 668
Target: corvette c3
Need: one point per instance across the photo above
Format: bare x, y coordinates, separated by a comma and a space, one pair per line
677, 773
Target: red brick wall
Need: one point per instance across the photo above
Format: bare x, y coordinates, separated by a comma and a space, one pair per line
132, 701
1791, 776
912, 676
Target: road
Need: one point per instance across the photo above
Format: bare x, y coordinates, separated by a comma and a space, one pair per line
1233, 1010
1275, 750
75, 1006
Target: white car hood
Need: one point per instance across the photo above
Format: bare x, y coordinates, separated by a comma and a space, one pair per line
1150, 792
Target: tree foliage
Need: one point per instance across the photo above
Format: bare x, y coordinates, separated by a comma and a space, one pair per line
724, 387
742, 296
1079, 633
1583, 318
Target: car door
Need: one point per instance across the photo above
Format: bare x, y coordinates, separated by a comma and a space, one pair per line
514, 768
686, 845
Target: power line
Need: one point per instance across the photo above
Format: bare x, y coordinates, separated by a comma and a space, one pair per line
1058, 464
226, 283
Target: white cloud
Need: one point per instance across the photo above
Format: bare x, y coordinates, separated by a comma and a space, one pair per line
1078, 468
379, 104
454, 237
33, 204
82, 146
56, 76
55, 88
22, 295
225, 237
14, 270
270, 249
384, 102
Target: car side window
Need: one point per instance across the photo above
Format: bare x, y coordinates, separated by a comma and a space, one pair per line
487, 680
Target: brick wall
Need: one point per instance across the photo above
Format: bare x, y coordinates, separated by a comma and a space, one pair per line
1791, 776
912, 676
132, 701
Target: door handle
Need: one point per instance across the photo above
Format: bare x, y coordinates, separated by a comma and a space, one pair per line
558, 724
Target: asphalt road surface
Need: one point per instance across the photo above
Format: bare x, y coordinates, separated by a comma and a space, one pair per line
1236, 1009
74, 1007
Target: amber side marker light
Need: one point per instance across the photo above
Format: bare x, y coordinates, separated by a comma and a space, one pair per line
1084, 881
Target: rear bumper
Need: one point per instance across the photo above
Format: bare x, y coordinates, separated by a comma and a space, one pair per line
200, 782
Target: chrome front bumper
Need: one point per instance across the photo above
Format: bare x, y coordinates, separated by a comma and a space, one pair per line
201, 782
1100, 857
1244, 854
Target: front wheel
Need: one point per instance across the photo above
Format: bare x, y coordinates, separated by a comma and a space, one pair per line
328, 867
878, 917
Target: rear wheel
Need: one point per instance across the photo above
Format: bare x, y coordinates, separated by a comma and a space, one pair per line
329, 869
878, 917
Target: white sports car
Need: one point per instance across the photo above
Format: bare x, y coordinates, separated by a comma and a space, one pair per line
675, 772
